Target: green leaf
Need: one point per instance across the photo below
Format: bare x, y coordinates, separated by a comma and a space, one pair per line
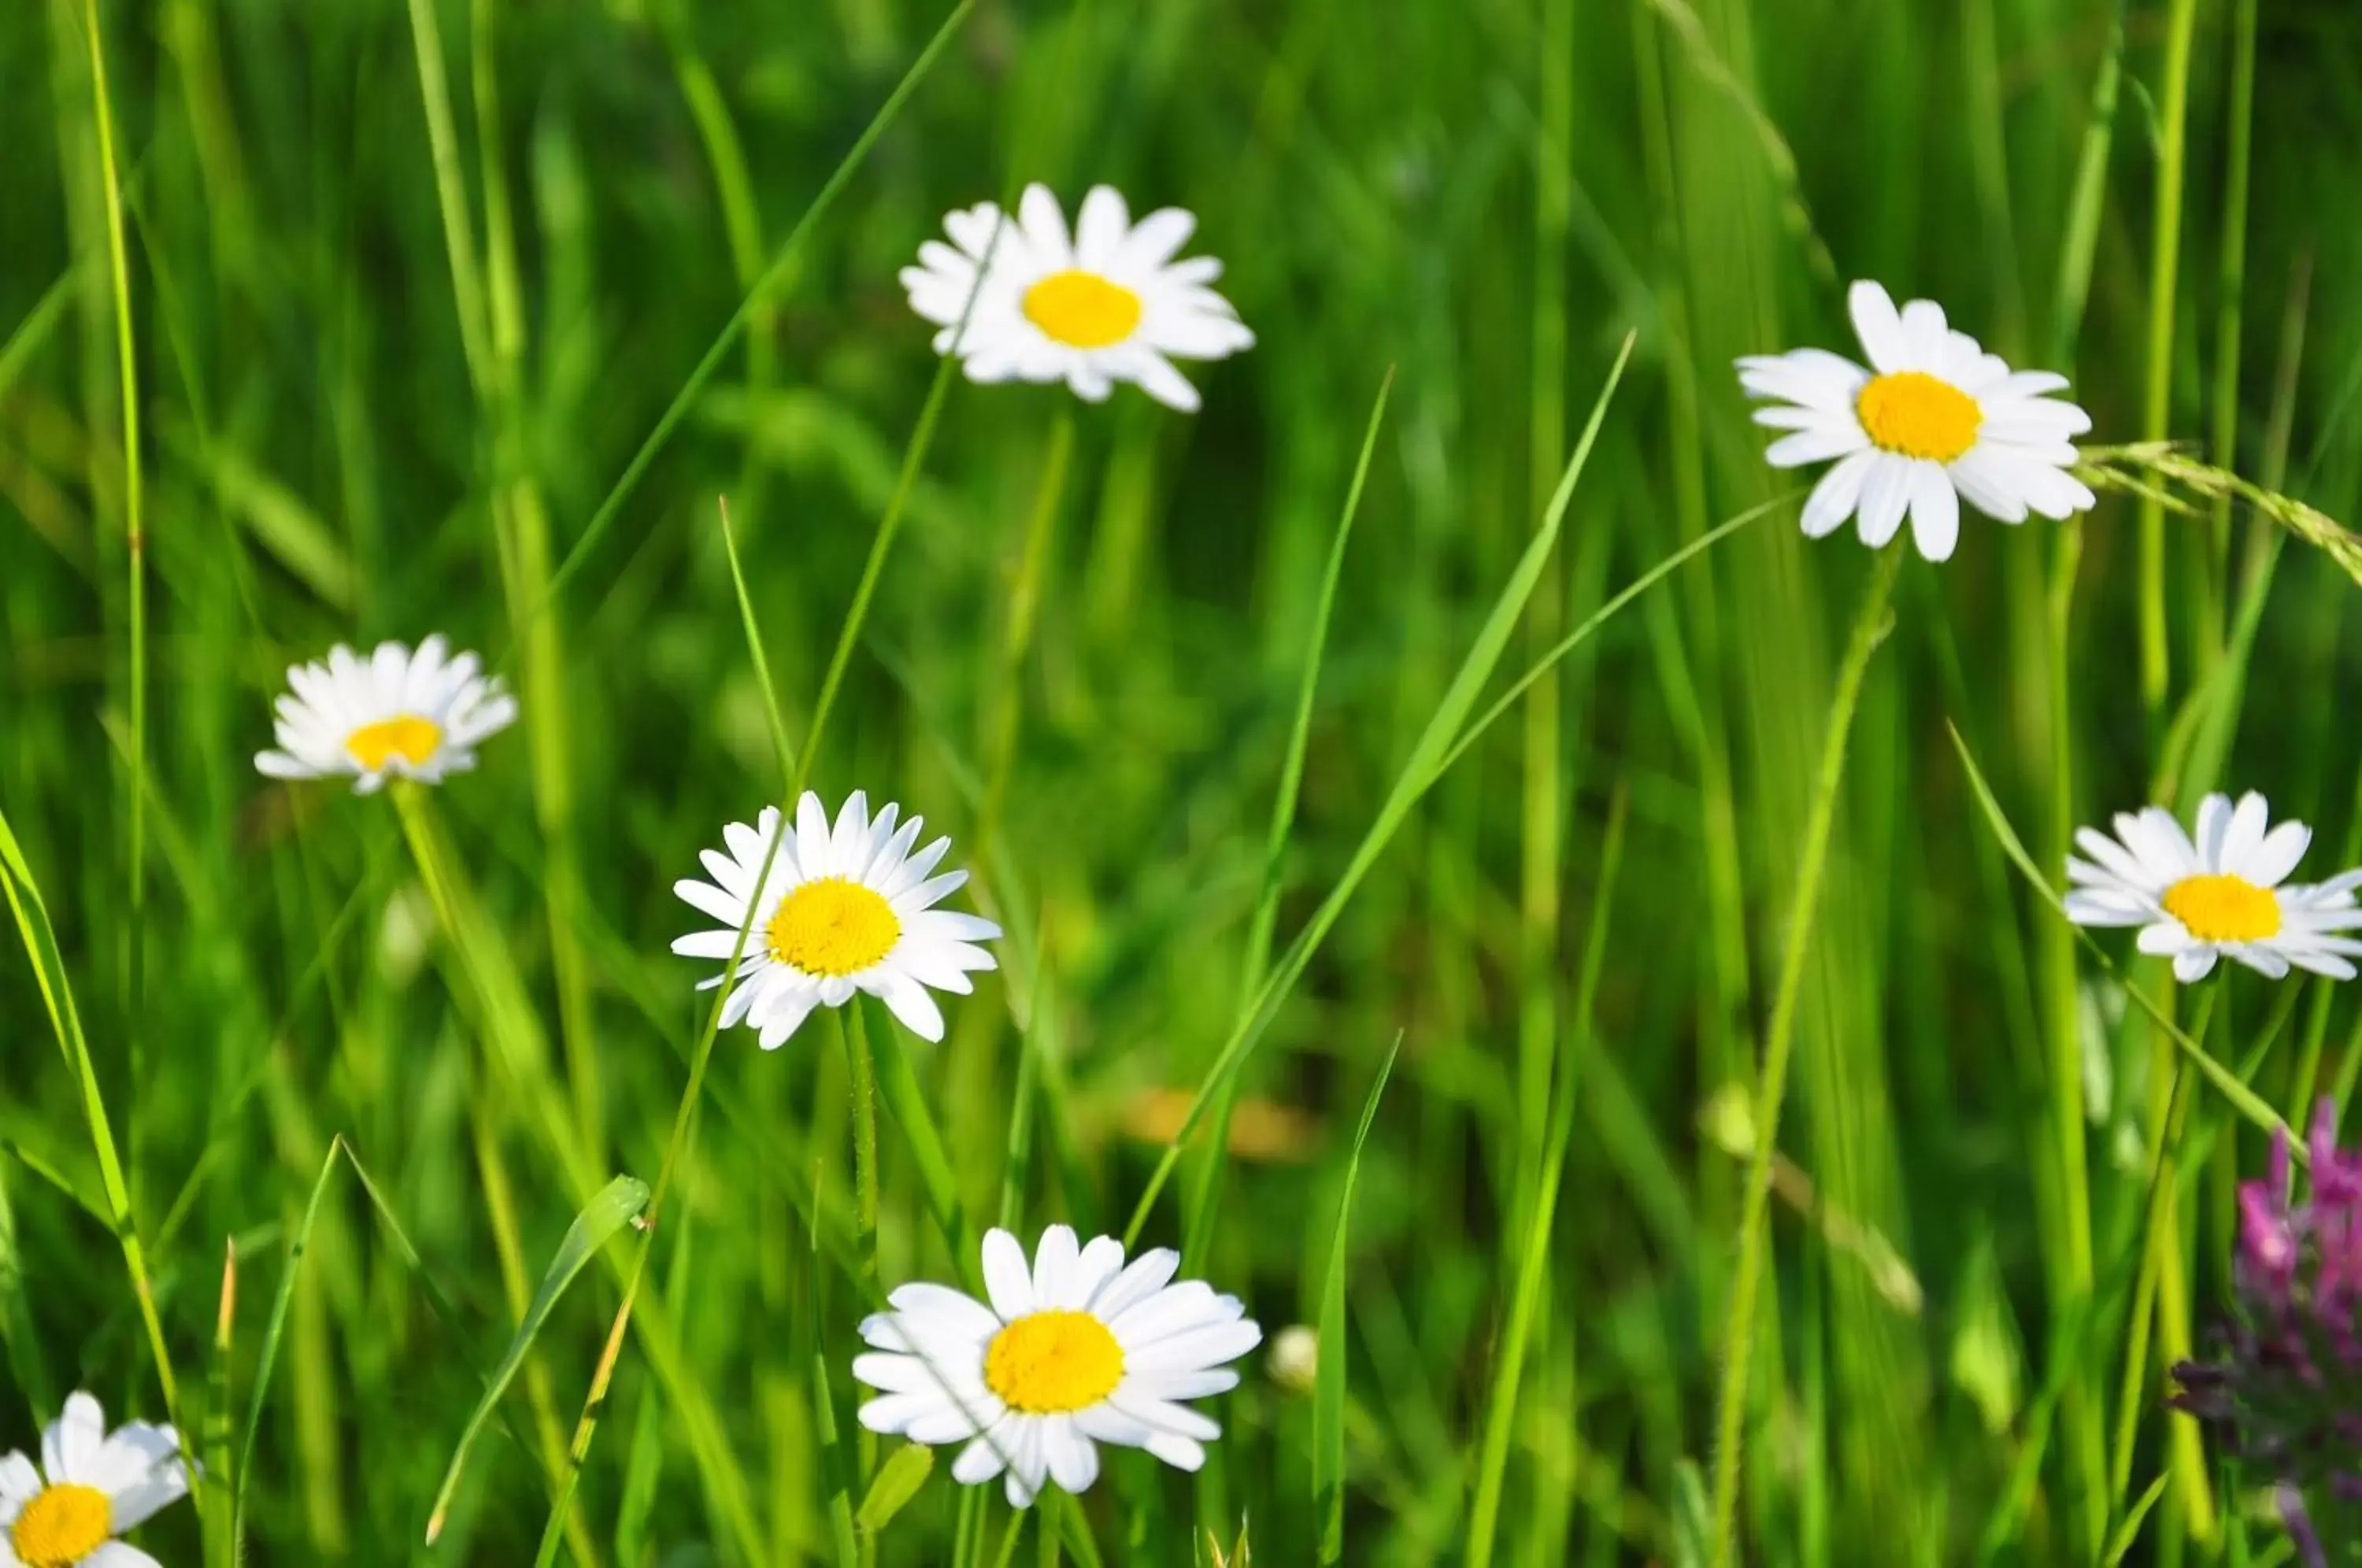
1328, 1375
616, 1205
896, 1482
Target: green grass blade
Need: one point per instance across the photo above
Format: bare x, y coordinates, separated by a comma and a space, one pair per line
1329, 1370
1820, 822
783, 265
1205, 1196
620, 1204
2120, 1545
273, 1328
1418, 773
1541, 1211
40, 939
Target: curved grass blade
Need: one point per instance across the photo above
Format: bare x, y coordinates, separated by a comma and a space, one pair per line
1541, 1207
1329, 1377
40, 939
619, 1204
1418, 773
1206, 1190
783, 263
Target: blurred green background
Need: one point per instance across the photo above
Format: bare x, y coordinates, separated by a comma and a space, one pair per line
358, 420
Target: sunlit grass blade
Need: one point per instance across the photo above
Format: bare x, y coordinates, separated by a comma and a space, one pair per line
40, 939
621, 1203
1205, 1193
2120, 1544
783, 264
1329, 1370
1779, 1037
1533, 1252
1418, 774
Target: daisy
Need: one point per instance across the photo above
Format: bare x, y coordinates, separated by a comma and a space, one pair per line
2219, 897
845, 909
1934, 421
1075, 1351
395, 715
1109, 304
96, 1486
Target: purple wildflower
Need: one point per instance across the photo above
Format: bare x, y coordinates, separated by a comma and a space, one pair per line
2285, 1387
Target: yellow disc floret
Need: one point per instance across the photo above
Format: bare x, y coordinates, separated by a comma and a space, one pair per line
2223, 909
1914, 415
406, 735
1082, 310
61, 1527
833, 927
1047, 1364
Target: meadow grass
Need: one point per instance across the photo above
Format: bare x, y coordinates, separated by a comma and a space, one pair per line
1472, 876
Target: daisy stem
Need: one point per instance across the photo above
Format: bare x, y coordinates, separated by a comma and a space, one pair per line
1820, 823
684, 1116
1008, 1553
865, 1136
2165, 253
2157, 1235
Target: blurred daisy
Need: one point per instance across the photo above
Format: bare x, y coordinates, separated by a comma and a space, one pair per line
1934, 421
1075, 1351
90, 1488
1109, 304
2222, 896
396, 714
845, 909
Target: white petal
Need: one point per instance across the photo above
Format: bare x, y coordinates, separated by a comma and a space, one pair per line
1815, 446
1885, 492
70, 1448
1878, 327
1984, 482
2193, 965
1835, 498
908, 1001
2245, 836
1926, 333
1100, 226
1054, 1260
2269, 863
119, 1554
1935, 511
1146, 1276
1073, 1460
1007, 1279
978, 1462
1046, 228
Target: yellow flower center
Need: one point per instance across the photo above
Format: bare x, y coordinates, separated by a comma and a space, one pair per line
2223, 909
1918, 415
1047, 1364
833, 927
1082, 309
407, 736
61, 1527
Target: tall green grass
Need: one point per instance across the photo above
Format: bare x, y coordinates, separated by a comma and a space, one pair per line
1275, 735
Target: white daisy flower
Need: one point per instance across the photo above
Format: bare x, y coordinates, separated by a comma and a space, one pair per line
91, 1486
396, 714
1109, 304
2222, 896
1934, 421
1075, 1351
845, 909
